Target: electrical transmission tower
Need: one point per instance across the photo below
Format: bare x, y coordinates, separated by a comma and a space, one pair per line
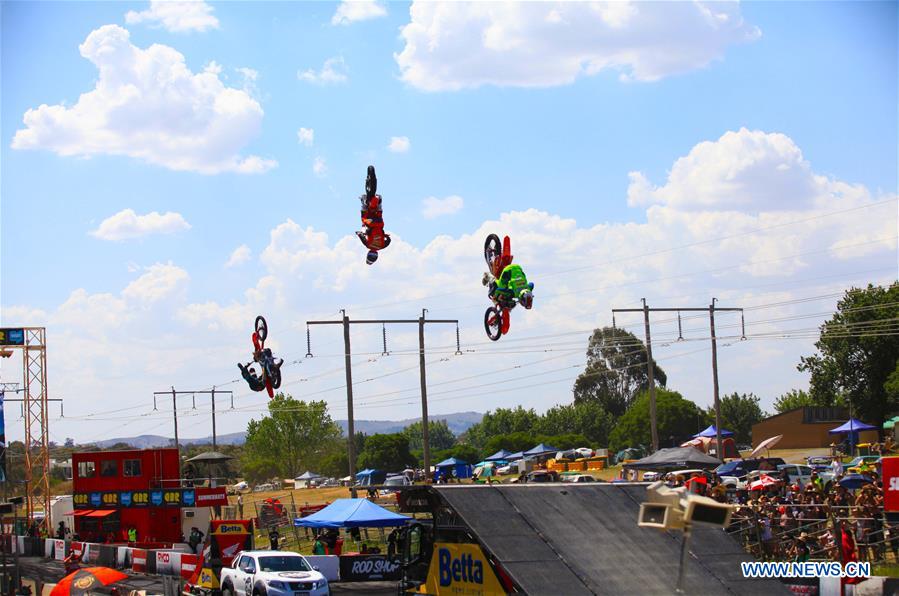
32, 341
711, 309
421, 322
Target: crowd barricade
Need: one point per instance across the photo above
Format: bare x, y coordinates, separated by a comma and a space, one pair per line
168, 562
188, 565
77, 547
123, 557
107, 555
48, 547
327, 565
139, 560
60, 549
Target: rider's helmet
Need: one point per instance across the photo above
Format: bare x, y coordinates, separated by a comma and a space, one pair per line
371, 257
526, 299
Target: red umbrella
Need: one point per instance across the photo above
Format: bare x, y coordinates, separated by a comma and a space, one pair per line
86, 579
763, 482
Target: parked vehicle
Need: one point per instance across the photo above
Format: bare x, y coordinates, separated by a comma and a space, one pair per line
272, 573
819, 463
542, 476
504, 470
578, 478
797, 473
397, 480
854, 467
733, 473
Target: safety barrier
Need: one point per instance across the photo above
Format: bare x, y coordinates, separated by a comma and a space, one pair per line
188, 565
139, 560
168, 562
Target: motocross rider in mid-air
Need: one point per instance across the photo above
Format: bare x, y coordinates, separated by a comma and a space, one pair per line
373, 236
510, 287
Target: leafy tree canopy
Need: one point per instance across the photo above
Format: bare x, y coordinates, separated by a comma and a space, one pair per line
738, 413
439, 435
792, 399
857, 353
293, 437
678, 419
616, 370
386, 452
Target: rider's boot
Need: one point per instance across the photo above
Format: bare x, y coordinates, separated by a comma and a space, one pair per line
363, 238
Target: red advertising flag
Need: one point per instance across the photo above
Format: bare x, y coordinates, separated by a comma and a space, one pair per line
210, 497
891, 483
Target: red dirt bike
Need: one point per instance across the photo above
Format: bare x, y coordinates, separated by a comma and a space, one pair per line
498, 257
270, 379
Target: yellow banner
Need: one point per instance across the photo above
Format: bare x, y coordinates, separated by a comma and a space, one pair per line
461, 569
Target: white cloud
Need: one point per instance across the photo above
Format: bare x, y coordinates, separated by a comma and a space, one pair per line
333, 71
176, 16
239, 256
306, 136
350, 11
432, 207
743, 170
319, 167
126, 225
399, 144
148, 105
154, 332
160, 281
458, 45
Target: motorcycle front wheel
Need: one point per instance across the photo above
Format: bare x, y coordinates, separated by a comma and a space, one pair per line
493, 322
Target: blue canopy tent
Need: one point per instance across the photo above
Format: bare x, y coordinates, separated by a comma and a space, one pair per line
541, 449
711, 432
502, 454
516, 455
852, 427
452, 466
352, 513
369, 477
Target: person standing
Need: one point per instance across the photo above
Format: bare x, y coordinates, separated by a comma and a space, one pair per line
240, 506
132, 535
274, 538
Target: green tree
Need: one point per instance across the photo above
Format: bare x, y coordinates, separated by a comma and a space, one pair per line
738, 413
616, 370
857, 353
792, 399
677, 417
295, 435
439, 435
386, 452
892, 386
587, 418
513, 442
467, 453
501, 421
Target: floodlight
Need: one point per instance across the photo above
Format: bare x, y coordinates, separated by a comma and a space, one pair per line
660, 515
704, 510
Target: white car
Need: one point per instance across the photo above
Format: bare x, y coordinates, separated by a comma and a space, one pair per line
272, 573
578, 478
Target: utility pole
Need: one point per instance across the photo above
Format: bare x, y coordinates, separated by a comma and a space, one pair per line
346, 322
425, 435
711, 310
715, 378
653, 424
175, 394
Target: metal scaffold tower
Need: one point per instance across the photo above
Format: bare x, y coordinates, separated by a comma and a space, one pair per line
33, 344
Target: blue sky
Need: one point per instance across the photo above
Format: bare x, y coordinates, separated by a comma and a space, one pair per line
508, 130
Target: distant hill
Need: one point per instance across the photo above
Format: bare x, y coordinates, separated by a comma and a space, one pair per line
458, 422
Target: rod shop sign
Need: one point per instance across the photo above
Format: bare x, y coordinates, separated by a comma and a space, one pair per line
364, 568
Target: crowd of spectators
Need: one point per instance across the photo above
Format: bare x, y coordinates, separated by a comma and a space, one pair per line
788, 522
